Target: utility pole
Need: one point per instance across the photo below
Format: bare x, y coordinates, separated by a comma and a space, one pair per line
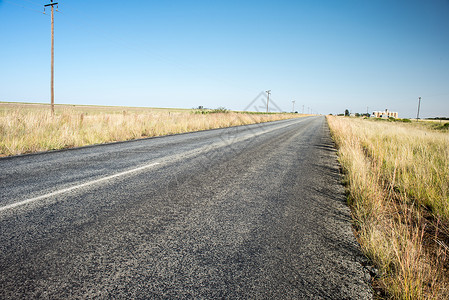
268, 98
303, 109
419, 104
52, 57
293, 109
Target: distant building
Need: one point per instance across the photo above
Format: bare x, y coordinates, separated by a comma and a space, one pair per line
385, 114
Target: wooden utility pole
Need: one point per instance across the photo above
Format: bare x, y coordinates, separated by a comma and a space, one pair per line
419, 104
52, 57
268, 98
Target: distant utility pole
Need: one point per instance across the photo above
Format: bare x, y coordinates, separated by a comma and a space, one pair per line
293, 109
419, 104
268, 98
303, 109
52, 57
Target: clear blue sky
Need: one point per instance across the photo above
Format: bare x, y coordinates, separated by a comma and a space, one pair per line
326, 55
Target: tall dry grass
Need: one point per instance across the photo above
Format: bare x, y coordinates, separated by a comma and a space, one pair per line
33, 129
398, 177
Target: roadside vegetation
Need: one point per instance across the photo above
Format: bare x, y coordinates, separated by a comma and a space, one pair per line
397, 178
28, 128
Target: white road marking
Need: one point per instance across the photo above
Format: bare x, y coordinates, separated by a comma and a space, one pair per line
13, 205
176, 157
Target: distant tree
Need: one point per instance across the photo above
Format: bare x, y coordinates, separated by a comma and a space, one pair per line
220, 110
347, 113
357, 114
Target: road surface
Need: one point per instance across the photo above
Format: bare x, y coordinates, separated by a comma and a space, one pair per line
252, 212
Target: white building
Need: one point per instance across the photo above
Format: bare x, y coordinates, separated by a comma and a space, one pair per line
385, 114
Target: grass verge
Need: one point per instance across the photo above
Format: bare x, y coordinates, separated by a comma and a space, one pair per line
28, 128
397, 177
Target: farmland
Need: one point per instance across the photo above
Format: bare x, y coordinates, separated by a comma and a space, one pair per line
397, 178
28, 128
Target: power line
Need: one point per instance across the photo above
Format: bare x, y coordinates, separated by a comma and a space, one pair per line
105, 35
123, 43
25, 7
37, 4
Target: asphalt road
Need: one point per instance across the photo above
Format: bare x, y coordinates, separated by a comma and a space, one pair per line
252, 212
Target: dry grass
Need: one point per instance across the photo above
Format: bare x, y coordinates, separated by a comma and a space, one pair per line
27, 128
398, 177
